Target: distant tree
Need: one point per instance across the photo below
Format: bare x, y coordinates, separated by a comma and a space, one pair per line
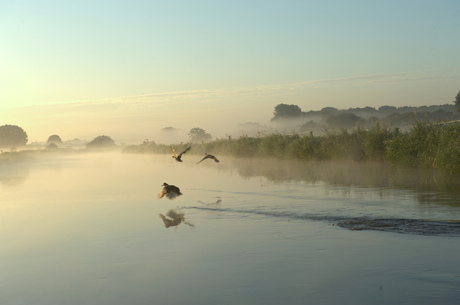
101, 142
388, 109
457, 101
346, 120
328, 111
199, 135
12, 135
283, 111
54, 139
169, 129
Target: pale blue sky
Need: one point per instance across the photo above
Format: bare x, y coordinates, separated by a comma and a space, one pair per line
225, 57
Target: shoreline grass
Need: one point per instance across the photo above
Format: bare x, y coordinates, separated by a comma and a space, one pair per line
426, 145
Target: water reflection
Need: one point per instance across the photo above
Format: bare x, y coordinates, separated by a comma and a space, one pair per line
174, 219
434, 186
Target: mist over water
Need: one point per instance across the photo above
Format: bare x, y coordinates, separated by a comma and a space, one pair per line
90, 229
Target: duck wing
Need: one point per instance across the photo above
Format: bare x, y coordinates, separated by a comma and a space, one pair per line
187, 149
162, 193
214, 158
205, 157
175, 189
174, 152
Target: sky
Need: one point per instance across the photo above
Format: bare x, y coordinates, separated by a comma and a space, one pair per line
127, 69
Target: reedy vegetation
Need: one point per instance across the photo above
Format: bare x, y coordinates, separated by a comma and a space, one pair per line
425, 145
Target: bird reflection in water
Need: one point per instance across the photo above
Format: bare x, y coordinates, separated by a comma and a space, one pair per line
218, 201
174, 219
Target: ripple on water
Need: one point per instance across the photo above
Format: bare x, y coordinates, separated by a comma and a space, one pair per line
395, 225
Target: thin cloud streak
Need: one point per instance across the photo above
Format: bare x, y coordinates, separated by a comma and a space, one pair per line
132, 118
214, 95
280, 88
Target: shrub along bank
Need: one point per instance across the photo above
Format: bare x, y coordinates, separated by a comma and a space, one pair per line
425, 145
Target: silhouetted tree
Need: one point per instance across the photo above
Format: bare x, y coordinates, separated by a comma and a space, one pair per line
169, 128
283, 111
457, 101
54, 139
328, 111
199, 135
12, 135
101, 142
388, 109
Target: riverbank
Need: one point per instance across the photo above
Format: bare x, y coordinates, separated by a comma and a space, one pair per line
434, 146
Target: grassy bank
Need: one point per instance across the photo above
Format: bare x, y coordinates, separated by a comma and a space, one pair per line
425, 145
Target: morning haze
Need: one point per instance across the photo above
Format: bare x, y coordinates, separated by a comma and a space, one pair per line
143, 67
237, 152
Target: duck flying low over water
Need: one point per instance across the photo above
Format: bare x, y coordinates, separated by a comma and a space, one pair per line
179, 156
171, 191
208, 156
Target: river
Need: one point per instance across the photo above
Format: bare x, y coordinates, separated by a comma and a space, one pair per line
87, 228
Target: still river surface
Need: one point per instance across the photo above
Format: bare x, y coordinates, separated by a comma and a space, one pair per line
90, 229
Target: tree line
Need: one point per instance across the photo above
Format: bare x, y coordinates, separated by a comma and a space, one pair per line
330, 117
12, 136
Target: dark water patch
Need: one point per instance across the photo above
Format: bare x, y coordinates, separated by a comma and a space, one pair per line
402, 225
395, 225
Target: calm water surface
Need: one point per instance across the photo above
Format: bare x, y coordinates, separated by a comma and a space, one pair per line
90, 229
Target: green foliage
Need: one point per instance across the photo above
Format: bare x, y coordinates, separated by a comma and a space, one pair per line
425, 145
448, 153
12, 135
245, 147
375, 142
307, 148
457, 101
275, 145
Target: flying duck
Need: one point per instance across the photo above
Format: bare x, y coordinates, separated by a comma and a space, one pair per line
171, 191
208, 156
179, 156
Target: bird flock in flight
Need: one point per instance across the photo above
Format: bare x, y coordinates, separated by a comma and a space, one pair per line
172, 191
